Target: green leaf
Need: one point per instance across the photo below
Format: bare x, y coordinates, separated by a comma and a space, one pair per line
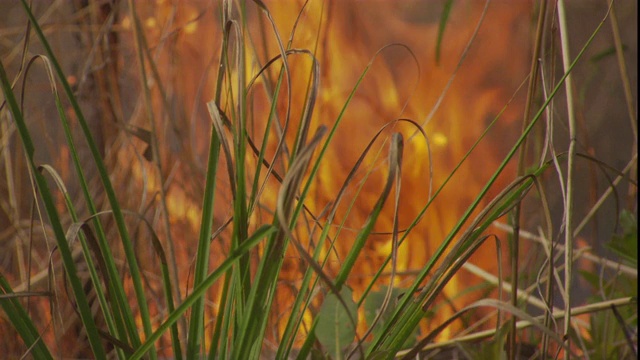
335, 331
626, 245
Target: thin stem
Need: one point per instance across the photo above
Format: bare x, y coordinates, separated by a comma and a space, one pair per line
568, 212
515, 246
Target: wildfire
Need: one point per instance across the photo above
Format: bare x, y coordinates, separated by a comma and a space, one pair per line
400, 84
418, 104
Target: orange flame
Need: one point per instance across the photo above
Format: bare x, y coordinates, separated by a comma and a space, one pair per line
347, 36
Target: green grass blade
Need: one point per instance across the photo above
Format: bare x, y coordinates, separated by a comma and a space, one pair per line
203, 287
217, 350
202, 258
444, 18
166, 284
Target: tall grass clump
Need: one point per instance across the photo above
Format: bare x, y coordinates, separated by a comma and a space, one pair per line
268, 154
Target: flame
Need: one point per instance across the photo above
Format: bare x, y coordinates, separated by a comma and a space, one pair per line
347, 36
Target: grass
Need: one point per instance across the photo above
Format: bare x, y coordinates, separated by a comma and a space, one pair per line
285, 261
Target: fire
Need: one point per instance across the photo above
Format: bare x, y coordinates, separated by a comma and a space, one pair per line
403, 81
347, 36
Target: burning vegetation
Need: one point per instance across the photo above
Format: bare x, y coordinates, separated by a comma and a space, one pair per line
329, 178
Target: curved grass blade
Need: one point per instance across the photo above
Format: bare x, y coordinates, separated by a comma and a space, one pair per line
121, 318
292, 325
395, 161
90, 245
